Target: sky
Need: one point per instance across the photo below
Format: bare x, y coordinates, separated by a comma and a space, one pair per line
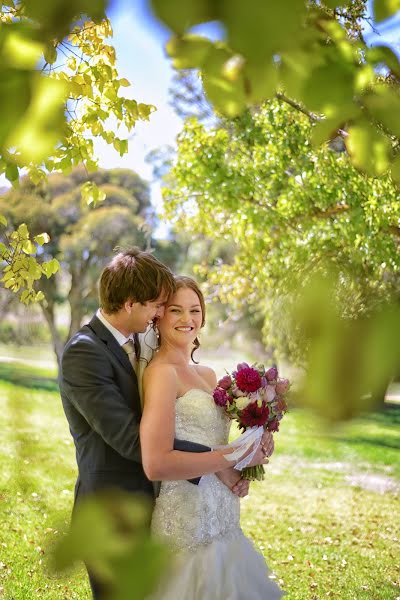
139, 40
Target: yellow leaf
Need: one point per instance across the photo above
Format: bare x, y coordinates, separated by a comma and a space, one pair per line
42, 238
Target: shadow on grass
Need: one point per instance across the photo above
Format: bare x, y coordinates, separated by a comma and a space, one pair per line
371, 441
27, 376
389, 414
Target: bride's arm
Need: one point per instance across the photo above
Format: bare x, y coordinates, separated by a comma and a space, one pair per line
157, 431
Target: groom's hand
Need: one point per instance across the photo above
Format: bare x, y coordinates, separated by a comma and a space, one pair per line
232, 479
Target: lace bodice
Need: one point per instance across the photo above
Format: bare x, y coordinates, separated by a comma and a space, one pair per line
199, 419
191, 515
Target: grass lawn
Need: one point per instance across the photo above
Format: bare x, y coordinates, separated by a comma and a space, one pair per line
326, 516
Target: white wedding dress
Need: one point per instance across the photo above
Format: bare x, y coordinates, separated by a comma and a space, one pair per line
201, 523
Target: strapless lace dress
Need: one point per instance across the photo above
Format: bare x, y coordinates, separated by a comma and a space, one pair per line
201, 523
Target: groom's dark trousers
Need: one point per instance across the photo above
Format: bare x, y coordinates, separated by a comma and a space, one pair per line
100, 396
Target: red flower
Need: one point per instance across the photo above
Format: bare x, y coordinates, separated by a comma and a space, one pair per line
220, 396
254, 415
248, 380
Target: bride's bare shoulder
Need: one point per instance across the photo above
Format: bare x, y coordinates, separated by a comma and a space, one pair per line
159, 368
208, 374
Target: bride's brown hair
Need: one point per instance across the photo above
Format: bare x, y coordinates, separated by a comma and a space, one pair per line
184, 282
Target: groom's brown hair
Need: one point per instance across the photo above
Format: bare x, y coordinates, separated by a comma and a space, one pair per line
133, 275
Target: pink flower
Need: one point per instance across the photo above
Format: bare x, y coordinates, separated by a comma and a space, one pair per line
225, 383
282, 386
281, 405
271, 374
273, 425
220, 396
254, 415
270, 393
236, 392
264, 381
241, 366
248, 379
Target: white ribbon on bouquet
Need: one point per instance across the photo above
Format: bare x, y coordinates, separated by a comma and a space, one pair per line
251, 437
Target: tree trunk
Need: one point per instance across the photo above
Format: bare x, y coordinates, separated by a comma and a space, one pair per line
58, 344
75, 299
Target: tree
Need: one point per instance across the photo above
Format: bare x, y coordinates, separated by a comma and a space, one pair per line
309, 54
59, 88
81, 238
293, 211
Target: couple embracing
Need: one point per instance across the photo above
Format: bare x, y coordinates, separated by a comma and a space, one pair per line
134, 426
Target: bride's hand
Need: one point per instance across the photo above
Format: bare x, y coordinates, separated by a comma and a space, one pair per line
259, 458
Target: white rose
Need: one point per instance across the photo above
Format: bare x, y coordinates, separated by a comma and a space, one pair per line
242, 402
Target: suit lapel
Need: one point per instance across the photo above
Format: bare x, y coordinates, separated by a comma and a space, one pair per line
107, 337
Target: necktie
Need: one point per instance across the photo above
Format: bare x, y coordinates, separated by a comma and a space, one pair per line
132, 349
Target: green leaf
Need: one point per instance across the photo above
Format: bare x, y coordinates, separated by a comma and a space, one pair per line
324, 130
227, 94
145, 110
25, 296
120, 146
50, 54
42, 238
56, 16
260, 80
12, 172
383, 9
395, 170
368, 147
23, 232
384, 105
51, 267
189, 51
124, 82
329, 87
383, 55
28, 247
3, 220
258, 30
19, 50
91, 193
336, 3
42, 124
108, 533
180, 15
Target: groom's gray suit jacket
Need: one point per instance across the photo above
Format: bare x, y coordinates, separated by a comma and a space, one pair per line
100, 396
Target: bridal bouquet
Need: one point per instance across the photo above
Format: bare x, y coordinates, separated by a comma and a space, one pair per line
254, 397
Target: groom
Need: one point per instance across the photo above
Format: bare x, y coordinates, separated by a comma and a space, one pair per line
99, 386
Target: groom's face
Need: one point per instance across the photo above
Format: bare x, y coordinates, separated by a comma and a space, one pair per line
139, 316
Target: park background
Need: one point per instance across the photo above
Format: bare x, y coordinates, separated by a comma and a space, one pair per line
326, 516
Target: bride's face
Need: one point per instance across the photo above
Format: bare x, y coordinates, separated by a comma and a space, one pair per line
182, 318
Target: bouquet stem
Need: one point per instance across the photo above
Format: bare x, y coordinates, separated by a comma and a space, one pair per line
253, 473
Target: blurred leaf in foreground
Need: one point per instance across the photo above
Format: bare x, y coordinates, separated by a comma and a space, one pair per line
111, 534
350, 361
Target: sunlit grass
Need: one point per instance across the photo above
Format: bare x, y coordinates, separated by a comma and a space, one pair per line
322, 533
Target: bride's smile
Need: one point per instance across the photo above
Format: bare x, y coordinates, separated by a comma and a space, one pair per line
182, 320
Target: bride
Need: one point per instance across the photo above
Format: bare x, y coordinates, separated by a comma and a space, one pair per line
201, 524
